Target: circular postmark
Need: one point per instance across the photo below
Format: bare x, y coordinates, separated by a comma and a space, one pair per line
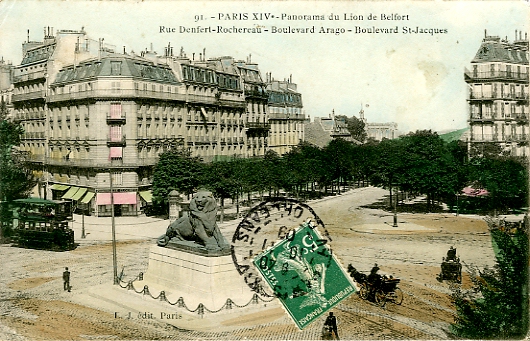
267, 224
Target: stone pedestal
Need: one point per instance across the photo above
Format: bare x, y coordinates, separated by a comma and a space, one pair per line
174, 207
209, 280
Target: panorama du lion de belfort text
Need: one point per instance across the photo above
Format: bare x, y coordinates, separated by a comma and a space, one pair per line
284, 23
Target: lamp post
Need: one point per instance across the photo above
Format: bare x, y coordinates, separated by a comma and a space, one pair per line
114, 257
395, 211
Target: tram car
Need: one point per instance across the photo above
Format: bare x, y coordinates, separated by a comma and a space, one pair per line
42, 224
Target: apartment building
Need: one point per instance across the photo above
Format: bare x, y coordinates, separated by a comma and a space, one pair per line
498, 95
94, 117
286, 117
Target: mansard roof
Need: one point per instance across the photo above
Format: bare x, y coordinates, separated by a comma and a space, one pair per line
493, 49
38, 54
127, 66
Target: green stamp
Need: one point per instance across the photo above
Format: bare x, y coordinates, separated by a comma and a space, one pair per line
304, 274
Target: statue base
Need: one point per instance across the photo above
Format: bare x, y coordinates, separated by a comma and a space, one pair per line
196, 249
197, 278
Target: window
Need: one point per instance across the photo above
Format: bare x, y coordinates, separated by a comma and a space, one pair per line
115, 68
115, 133
115, 110
115, 87
117, 178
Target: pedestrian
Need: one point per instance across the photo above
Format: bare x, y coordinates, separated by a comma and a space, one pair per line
329, 331
66, 279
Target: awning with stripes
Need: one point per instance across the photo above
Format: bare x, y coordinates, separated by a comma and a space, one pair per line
147, 196
79, 193
59, 187
71, 192
88, 197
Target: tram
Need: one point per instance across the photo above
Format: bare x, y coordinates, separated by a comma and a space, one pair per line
42, 224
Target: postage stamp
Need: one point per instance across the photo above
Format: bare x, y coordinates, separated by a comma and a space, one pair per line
304, 274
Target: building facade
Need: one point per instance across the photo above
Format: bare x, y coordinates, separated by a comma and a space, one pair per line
286, 117
94, 117
498, 96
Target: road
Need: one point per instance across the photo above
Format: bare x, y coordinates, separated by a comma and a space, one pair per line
34, 306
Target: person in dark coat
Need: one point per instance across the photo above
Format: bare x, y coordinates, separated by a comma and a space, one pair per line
330, 327
66, 279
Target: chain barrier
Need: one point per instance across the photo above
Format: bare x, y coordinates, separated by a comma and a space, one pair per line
201, 308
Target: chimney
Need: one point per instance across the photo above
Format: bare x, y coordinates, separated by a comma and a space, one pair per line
515, 34
485, 33
124, 50
28, 35
193, 56
204, 53
171, 51
200, 57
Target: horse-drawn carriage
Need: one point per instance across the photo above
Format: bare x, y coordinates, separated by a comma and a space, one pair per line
377, 288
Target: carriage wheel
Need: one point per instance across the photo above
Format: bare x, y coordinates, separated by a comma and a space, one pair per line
380, 298
363, 292
398, 296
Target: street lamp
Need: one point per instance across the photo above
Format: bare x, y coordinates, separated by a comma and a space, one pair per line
395, 211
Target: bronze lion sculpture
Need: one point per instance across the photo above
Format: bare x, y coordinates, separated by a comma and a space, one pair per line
198, 224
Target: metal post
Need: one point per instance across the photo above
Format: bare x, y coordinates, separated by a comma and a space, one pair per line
395, 211
114, 260
83, 235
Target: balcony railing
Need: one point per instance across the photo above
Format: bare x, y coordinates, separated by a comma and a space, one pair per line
497, 74
484, 138
498, 95
116, 141
132, 93
100, 163
28, 96
258, 125
116, 119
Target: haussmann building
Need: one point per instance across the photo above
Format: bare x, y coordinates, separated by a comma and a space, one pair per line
93, 116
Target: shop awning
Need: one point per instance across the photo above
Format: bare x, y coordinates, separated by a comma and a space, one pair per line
59, 187
116, 152
147, 196
120, 198
474, 192
88, 197
79, 194
71, 192
125, 198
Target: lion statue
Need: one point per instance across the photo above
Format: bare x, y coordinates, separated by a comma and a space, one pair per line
198, 224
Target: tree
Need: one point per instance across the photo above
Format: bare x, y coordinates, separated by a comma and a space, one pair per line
337, 160
175, 170
218, 177
16, 180
387, 164
355, 126
428, 166
497, 306
505, 178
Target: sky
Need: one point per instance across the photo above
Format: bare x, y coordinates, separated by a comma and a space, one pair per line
414, 79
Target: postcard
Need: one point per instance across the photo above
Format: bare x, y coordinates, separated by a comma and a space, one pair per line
269, 170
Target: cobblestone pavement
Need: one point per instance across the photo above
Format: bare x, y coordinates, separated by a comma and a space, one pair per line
34, 306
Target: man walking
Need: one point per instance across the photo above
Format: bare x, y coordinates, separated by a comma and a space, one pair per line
330, 331
66, 279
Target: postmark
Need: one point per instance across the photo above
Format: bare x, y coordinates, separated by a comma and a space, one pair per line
264, 225
279, 251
